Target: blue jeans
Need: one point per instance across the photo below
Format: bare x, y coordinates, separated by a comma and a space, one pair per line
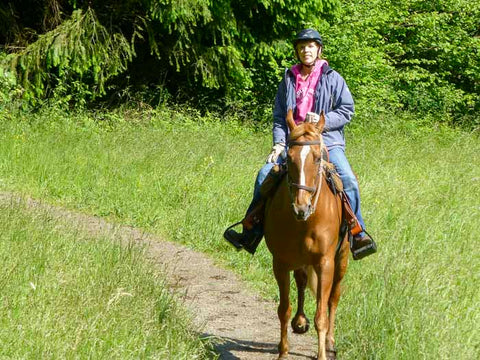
262, 174
350, 183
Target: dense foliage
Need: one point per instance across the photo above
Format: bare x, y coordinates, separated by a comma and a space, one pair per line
411, 54
76, 59
420, 55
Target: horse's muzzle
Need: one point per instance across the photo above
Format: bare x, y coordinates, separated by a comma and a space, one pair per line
302, 212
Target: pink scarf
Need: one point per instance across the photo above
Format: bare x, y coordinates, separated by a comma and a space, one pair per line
305, 89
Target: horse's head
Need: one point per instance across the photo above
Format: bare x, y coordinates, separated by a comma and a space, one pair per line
304, 163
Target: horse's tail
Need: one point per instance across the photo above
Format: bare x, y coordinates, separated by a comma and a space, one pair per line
312, 280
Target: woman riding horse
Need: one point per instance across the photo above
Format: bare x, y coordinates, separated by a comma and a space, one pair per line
304, 233
311, 86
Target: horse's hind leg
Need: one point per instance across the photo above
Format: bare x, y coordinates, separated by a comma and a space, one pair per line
284, 309
341, 263
300, 323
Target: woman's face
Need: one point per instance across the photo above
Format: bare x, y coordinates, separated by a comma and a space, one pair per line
308, 51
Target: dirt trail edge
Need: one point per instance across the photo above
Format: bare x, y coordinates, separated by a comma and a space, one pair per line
243, 325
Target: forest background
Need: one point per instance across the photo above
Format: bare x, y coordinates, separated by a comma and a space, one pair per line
226, 56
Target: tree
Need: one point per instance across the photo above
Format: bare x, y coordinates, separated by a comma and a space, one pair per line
232, 48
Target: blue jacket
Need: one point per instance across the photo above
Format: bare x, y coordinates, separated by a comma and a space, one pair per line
331, 95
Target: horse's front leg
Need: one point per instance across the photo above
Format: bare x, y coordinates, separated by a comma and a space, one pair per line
341, 263
282, 275
324, 272
300, 323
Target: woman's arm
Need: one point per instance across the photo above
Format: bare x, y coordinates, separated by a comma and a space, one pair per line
279, 113
342, 104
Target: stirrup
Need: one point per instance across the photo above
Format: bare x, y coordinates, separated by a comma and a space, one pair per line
226, 236
363, 251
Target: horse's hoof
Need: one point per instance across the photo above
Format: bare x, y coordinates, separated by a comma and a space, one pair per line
331, 354
282, 351
298, 327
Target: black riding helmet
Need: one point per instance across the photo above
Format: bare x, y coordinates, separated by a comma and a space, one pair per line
308, 34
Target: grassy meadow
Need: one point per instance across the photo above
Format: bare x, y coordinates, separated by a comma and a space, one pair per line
187, 177
68, 295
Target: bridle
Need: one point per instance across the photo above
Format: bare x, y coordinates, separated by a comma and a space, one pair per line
314, 191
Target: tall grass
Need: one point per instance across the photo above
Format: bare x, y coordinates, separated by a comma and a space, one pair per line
187, 177
67, 295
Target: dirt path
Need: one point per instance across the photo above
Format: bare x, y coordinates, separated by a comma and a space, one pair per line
244, 325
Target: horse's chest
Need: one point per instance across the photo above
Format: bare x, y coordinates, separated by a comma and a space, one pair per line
294, 244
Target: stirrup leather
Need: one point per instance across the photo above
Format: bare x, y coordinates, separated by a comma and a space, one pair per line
353, 224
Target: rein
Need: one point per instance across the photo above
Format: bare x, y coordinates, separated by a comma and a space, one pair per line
303, 187
303, 143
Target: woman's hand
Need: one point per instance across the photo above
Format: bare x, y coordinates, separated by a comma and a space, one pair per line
277, 149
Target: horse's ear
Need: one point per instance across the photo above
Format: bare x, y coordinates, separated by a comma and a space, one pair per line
290, 122
321, 122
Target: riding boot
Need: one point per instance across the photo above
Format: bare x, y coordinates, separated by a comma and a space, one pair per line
252, 230
252, 224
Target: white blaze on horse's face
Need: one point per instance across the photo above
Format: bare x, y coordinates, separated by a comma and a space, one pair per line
302, 202
303, 157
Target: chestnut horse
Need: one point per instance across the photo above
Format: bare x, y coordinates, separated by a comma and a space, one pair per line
302, 227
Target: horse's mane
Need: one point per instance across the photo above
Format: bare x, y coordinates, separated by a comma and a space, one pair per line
303, 129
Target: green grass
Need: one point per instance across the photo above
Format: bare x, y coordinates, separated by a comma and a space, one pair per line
187, 178
67, 295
